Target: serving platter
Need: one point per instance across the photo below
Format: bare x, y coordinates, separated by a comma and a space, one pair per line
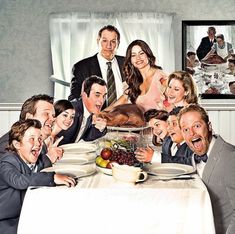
127, 128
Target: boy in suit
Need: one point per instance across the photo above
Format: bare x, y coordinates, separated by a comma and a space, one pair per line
19, 169
214, 160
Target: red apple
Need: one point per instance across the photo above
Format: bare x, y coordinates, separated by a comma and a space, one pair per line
106, 153
110, 164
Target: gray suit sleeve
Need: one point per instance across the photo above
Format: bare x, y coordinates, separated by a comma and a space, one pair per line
16, 179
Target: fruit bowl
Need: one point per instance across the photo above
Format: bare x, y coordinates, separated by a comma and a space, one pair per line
104, 170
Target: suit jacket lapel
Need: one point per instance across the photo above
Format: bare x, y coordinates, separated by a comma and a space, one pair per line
78, 116
88, 124
96, 66
213, 159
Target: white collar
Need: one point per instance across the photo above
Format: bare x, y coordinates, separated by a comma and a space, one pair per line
211, 145
86, 113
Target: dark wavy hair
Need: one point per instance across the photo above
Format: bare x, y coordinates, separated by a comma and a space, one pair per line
133, 77
61, 106
156, 114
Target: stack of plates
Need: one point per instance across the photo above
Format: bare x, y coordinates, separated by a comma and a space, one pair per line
78, 153
78, 160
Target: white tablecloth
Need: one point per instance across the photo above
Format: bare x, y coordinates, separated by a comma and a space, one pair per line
100, 205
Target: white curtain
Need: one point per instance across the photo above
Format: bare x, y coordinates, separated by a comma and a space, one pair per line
73, 37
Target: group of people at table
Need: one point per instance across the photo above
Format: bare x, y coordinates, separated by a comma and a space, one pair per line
170, 105
213, 48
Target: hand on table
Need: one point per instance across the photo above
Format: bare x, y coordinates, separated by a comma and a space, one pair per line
64, 179
144, 154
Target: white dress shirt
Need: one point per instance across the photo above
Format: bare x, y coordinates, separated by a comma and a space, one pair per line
86, 114
200, 166
116, 72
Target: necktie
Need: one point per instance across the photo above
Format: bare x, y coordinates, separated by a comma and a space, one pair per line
198, 158
112, 96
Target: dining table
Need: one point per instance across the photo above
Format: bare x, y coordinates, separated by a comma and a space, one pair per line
100, 204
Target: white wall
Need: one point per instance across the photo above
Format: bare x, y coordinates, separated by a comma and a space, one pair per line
25, 45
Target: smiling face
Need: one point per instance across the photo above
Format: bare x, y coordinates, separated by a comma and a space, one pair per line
139, 58
45, 114
195, 132
174, 129
65, 119
175, 92
30, 146
108, 44
96, 98
159, 127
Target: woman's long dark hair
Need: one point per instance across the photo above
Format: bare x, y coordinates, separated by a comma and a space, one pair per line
133, 77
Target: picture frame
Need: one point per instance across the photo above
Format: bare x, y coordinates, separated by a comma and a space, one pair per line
192, 33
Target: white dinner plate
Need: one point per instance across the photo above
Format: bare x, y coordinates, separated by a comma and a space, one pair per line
72, 170
79, 148
169, 169
104, 170
77, 158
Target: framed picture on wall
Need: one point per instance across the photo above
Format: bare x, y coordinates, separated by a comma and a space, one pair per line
208, 53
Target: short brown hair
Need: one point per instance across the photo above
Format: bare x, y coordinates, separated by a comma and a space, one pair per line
18, 130
29, 104
110, 28
197, 108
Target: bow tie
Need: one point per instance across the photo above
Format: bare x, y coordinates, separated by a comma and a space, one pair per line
198, 158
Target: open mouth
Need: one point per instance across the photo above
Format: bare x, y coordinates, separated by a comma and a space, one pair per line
48, 126
98, 107
35, 152
197, 143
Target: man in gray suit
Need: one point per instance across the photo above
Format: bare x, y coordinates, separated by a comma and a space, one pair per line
214, 160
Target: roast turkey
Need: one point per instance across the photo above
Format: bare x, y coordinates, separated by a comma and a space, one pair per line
126, 115
213, 59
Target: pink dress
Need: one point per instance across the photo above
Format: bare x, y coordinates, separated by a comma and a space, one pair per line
154, 98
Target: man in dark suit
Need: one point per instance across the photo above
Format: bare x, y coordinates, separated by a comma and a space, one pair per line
108, 41
214, 160
87, 126
38, 107
206, 43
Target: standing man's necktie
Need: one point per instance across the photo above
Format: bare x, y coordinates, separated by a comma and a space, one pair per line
112, 96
